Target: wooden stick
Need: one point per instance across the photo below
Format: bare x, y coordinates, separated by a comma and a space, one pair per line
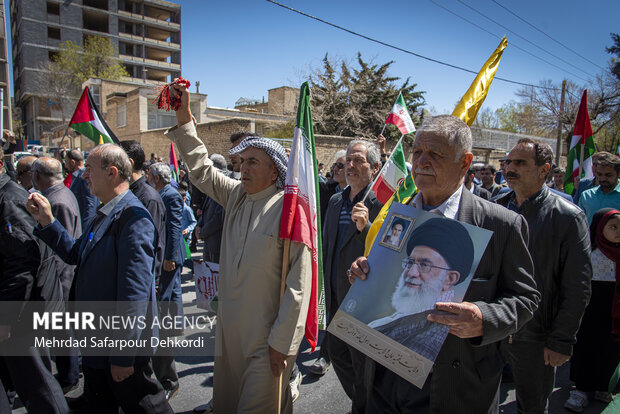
285, 256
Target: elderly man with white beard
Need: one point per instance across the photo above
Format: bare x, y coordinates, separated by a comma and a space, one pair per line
393, 238
430, 272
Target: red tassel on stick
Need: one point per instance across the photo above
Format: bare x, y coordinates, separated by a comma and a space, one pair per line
163, 98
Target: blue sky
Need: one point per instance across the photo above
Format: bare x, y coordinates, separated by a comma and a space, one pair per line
246, 47
243, 48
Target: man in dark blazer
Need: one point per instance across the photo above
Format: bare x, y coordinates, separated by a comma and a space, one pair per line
501, 298
211, 222
74, 164
27, 277
148, 196
47, 178
115, 263
347, 221
170, 298
476, 189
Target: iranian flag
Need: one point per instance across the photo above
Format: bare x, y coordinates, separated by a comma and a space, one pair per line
579, 159
300, 211
88, 121
392, 175
400, 116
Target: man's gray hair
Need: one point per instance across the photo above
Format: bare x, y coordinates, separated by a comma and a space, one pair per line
373, 155
340, 154
218, 161
114, 156
49, 167
161, 170
457, 132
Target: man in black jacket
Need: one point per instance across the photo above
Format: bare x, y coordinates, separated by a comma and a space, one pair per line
501, 296
560, 249
347, 221
148, 196
27, 273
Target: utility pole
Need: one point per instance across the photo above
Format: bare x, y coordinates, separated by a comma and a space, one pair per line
558, 147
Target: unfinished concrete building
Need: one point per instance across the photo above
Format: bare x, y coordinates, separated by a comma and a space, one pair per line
147, 34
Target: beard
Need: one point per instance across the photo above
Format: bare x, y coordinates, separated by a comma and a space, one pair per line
409, 301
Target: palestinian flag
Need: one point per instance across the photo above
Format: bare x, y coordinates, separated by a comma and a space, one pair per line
579, 159
88, 121
400, 116
392, 175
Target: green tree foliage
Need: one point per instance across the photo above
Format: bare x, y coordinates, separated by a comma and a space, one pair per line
97, 59
285, 131
615, 50
355, 101
63, 75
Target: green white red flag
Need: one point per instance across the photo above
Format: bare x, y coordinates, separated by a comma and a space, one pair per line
579, 159
300, 211
400, 116
391, 176
174, 164
88, 121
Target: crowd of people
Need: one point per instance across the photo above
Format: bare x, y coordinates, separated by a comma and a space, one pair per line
114, 227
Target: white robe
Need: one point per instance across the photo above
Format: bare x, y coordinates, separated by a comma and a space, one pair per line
250, 315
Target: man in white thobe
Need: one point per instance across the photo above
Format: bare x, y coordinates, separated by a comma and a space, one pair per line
258, 335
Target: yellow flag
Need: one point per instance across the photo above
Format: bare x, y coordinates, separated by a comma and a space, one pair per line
100, 139
471, 102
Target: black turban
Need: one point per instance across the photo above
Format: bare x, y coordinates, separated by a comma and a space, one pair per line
450, 239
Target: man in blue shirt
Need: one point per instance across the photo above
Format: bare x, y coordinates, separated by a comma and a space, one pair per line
607, 194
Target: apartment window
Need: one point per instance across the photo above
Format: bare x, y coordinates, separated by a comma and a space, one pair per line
95, 90
53, 33
52, 55
53, 8
121, 115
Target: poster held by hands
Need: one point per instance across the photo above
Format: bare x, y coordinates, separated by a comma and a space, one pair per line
418, 259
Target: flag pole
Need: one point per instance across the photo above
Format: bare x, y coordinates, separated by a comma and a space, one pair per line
285, 256
64, 135
382, 167
583, 146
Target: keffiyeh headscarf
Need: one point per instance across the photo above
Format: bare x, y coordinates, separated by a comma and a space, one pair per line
273, 149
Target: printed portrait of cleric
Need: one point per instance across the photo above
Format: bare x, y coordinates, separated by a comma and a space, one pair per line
395, 232
439, 256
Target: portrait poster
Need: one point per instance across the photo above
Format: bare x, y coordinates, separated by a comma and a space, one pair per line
432, 260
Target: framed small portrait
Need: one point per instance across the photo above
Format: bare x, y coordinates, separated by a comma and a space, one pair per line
396, 232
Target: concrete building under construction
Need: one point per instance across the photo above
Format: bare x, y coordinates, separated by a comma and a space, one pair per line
147, 34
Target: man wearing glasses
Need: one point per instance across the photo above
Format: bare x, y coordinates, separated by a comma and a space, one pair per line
430, 272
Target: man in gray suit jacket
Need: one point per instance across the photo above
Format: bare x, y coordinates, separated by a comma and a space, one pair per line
347, 221
47, 178
501, 298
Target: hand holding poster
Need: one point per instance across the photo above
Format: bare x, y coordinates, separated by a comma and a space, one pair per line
419, 259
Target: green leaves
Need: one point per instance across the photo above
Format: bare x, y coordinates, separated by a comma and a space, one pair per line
356, 100
97, 59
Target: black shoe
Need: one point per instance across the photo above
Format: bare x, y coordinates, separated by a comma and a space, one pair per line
319, 367
172, 392
76, 403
